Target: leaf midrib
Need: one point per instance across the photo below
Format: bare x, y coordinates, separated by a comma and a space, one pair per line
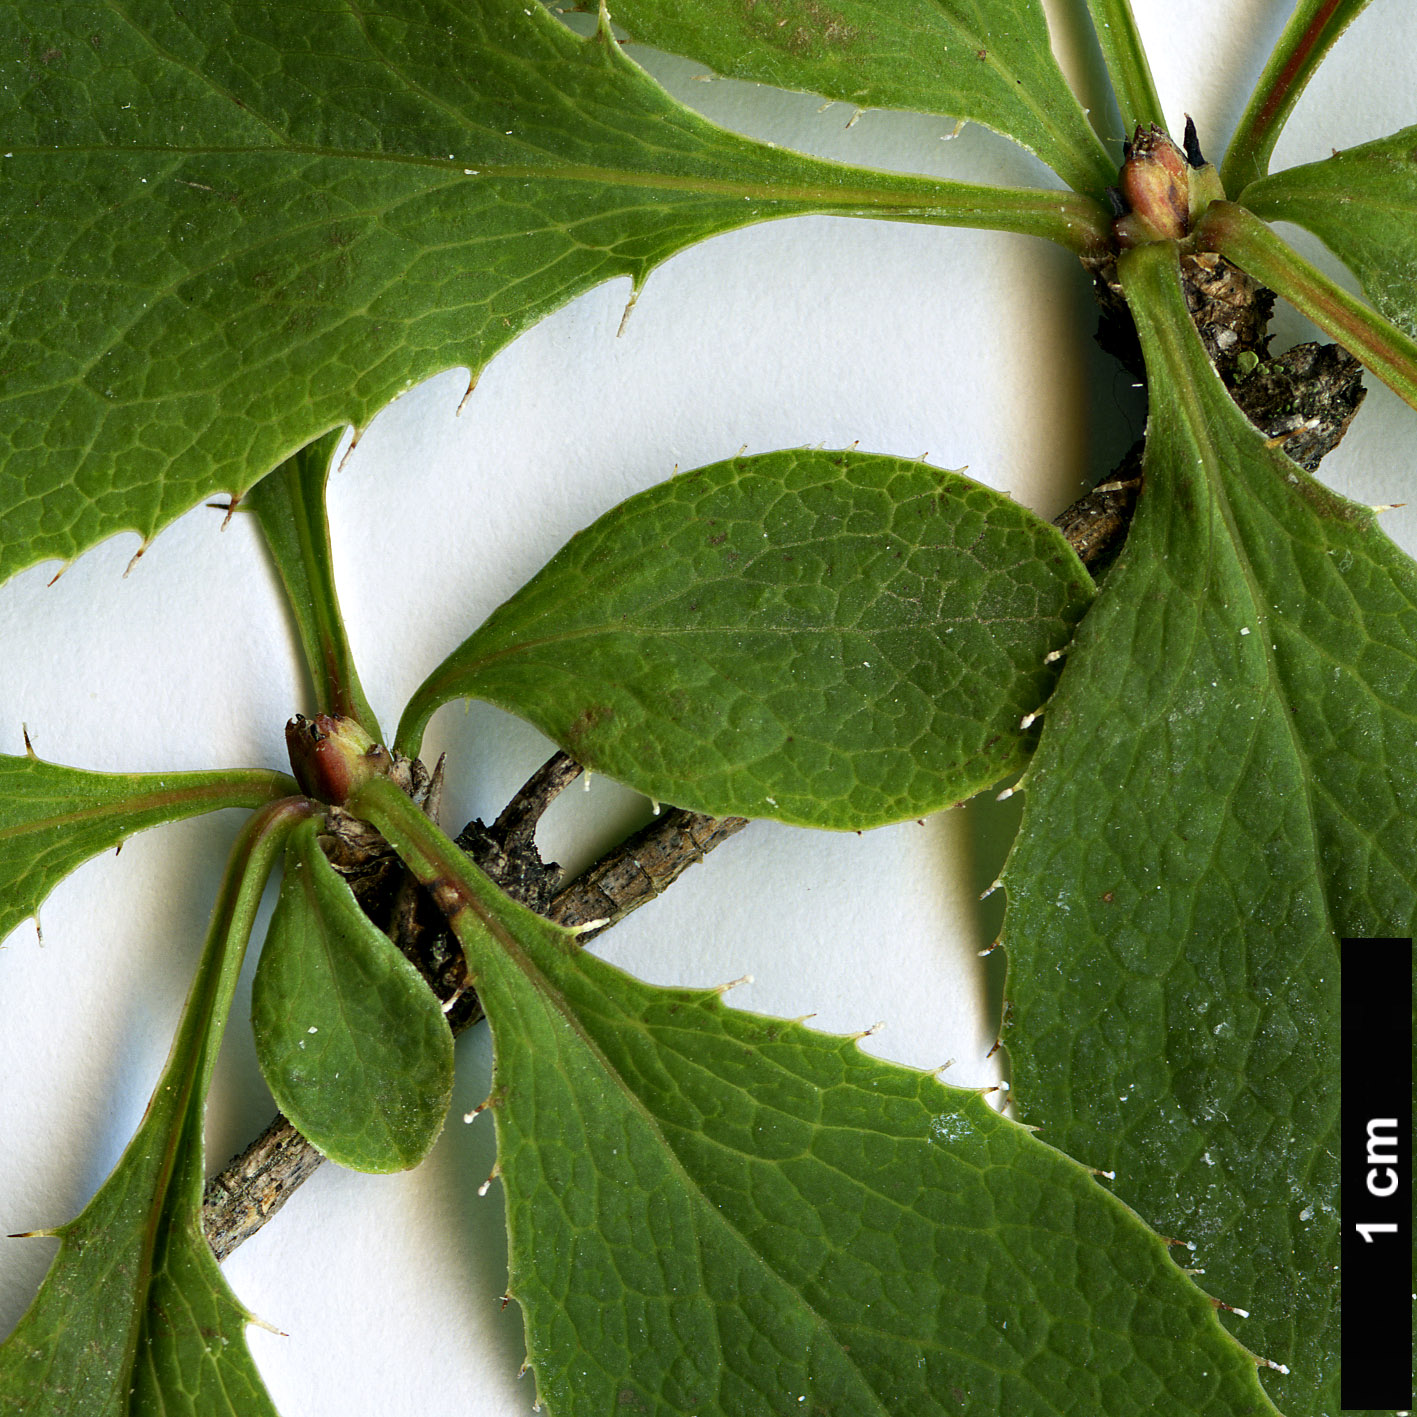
554, 1000
1184, 349
157, 799
937, 194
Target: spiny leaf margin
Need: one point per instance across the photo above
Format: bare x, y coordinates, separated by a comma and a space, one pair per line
975, 60
54, 818
714, 1211
832, 639
229, 232
134, 1314
1224, 783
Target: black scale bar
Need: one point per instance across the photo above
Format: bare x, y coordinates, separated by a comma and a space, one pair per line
1376, 1204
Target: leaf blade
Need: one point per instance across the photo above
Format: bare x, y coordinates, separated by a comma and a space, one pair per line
265, 260
1223, 787
351, 1041
832, 639
1362, 204
932, 56
54, 818
114, 1320
690, 1256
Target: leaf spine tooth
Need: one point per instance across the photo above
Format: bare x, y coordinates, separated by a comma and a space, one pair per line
1229, 1308
29, 747
358, 433
59, 573
471, 378
230, 506
478, 1110
1006, 793
1307, 426
492, 1175
945, 1066
1270, 1363
1388, 506
34, 1235
855, 117
1106, 1175
722, 989
989, 949
629, 305
587, 926
867, 1032
1054, 655
1029, 719
138, 556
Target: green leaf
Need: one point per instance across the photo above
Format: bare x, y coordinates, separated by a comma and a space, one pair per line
1362, 204
230, 230
1226, 781
713, 1212
988, 61
833, 639
290, 507
54, 818
351, 1041
1311, 32
1127, 65
134, 1315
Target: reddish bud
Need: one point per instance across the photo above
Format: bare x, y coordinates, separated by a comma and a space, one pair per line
1155, 181
331, 757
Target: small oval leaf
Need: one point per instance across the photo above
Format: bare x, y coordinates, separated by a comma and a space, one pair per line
352, 1043
832, 639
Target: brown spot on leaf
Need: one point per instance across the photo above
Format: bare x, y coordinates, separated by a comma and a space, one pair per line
587, 721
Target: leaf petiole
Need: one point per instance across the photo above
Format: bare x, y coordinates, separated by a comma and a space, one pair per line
290, 506
1308, 36
1126, 63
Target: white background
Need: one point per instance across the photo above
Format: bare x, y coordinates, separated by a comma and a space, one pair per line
970, 347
